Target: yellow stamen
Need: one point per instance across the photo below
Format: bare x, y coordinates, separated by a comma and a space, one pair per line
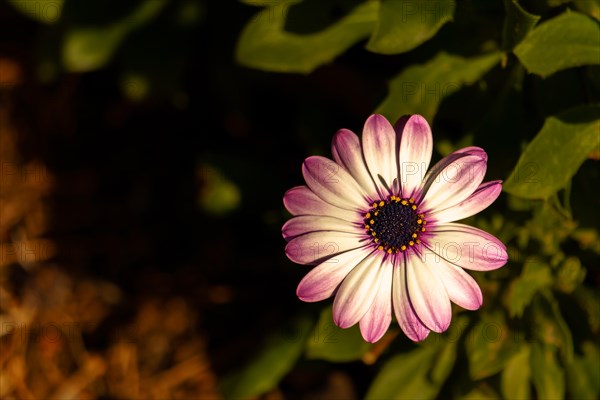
414, 207
389, 251
411, 243
372, 221
404, 202
411, 200
380, 248
381, 203
368, 215
403, 247
414, 235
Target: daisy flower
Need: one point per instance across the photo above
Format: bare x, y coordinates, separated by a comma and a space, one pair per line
380, 229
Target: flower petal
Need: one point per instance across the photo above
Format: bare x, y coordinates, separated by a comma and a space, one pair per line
416, 146
300, 200
483, 196
457, 181
332, 183
466, 247
316, 247
376, 321
313, 223
461, 287
435, 171
323, 280
358, 291
405, 313
347, 152
427, 294
379, 148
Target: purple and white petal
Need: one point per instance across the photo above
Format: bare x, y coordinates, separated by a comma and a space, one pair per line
483, 196
435, 171
323, 280
467, 247
457, 181
300, 200
461, 287
376, 321
427, 294
379, 149
314, 223
410, 324
332, 183
316, 247
416, 146
347, 152
358, 291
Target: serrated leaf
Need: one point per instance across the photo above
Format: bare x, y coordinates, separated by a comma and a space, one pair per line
409, 375
419, 89
583, 374
515, 378
556, 153
328, 342
46, 11
569, 40
547, 375
536, 276
403, 25
264, 43
270, 365
517, 24
86, 48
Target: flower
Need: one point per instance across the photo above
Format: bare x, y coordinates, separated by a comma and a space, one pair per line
381, 231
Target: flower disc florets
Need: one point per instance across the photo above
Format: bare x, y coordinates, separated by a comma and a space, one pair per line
395, 224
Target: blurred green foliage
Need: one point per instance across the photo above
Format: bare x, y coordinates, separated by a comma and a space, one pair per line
519, 78
521, 334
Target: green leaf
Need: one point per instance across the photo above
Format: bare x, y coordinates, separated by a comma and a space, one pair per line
405, 24
549, 326
86, 48
420, 89
582, 374
547, 375
489, 346
328, 342
590, 7
46, 11
589, 301
482, 392
517, 24
536, 276
556, 153
515, 378
264, 43
273, 362
570, 275
407, 375
569, 40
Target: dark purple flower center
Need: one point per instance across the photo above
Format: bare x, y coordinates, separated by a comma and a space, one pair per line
394, 224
